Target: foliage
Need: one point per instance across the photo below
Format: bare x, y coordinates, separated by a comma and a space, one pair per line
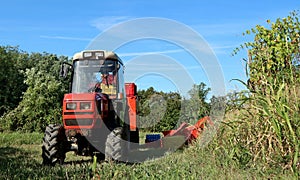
13, 61
158, 111
236, 100
269, 129
196, 106
41, 102
274, 53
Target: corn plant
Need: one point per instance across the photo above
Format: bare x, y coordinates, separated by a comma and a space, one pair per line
269, 127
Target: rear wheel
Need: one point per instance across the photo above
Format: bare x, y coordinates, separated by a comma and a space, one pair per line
115, 146
53, 149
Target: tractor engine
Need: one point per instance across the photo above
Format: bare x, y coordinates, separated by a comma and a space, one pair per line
86, 117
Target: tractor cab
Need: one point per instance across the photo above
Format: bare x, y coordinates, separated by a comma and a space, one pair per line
98, 71
97, 80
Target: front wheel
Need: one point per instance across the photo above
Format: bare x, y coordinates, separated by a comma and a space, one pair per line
115, 146
53, 149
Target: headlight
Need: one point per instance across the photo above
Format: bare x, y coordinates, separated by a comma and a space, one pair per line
85, 105
71, 106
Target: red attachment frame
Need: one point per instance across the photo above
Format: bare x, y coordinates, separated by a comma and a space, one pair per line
190, 132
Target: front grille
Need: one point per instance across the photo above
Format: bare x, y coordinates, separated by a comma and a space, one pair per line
79, 122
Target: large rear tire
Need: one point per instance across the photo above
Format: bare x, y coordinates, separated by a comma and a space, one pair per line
115, 146
53, 149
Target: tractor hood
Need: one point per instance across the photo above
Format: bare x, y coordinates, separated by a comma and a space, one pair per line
80, 97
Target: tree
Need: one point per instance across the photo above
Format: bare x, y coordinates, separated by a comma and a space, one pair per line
196, 106
42, 100
12, 62
158, 111
171, 113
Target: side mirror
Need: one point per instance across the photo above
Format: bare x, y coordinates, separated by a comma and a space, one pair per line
64, 69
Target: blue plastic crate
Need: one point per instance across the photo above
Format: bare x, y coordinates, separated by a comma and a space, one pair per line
152, 137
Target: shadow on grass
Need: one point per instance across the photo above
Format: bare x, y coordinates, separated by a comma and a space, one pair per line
26, 163
17, 163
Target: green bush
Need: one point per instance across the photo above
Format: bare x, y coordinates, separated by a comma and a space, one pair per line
42, 100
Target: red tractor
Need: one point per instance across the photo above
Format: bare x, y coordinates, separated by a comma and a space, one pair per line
99, 113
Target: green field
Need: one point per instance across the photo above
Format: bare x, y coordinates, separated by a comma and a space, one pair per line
20, 158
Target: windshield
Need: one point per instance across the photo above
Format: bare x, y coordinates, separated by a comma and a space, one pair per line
89, 74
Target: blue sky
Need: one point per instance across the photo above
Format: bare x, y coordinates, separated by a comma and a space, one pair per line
65, 27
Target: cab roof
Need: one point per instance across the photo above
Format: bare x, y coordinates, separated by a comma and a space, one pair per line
104, 54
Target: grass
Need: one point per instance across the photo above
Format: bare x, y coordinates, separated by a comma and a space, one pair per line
20, 158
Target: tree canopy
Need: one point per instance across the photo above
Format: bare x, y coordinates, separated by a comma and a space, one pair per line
32, 93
